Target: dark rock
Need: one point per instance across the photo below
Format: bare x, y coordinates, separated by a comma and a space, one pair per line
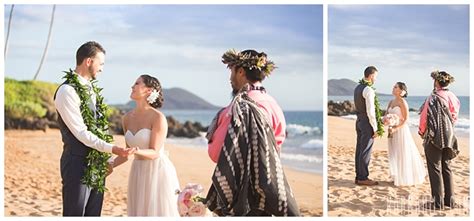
115, 123
175, 128
188, 129
52, 115
29, 124
53, 124
341, 108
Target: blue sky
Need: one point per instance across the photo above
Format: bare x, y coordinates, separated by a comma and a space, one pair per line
405, 42
181, 45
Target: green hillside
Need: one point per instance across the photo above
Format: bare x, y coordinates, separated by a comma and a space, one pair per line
28, 99
30, 105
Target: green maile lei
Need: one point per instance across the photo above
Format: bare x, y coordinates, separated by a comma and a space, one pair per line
378, 111
96, 170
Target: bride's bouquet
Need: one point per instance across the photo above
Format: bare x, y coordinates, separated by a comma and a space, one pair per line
391, 120
190, 202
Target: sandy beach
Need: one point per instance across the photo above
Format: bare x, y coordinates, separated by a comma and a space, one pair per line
347, 199
33, 183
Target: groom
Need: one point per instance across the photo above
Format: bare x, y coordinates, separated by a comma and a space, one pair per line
438, 115
245, 140
366, 126
79, 199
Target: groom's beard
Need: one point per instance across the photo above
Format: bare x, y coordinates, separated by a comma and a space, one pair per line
91, 71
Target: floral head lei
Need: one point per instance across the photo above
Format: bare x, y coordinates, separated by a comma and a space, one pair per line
153, 96
232, 57
442, 76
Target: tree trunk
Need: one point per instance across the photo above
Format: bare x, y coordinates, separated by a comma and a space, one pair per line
8, 34
47, 43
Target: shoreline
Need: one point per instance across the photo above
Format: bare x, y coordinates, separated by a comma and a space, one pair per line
413, 128
348, 199
287, 166
37, 192
288, 160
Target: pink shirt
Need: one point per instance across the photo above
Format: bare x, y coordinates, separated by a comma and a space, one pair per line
453, 105
272, 111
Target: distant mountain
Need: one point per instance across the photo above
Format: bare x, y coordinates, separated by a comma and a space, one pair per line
178, 98
341, 87
344, 87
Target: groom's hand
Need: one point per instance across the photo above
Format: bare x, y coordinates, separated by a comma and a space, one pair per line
123, 152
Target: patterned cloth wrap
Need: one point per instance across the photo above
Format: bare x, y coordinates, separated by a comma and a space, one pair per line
249, 175
440, 128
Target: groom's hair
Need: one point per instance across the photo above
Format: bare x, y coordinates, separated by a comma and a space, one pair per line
369, 70
446, 82
253, 75
88, 50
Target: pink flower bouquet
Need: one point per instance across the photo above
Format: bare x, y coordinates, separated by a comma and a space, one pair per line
190, 202
391, 120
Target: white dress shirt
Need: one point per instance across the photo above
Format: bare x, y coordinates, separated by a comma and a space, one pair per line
68, 103
369, 95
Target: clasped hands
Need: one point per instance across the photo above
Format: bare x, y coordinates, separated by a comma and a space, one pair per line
124, 152
121, 152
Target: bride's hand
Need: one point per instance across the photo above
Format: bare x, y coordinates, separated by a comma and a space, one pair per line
385, 120
110, 169
123, 152
393, 129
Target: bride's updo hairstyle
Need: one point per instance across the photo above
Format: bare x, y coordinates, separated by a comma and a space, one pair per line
153, 83
403, 87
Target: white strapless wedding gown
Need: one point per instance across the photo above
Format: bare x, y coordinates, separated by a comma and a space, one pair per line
406, 165
152, 183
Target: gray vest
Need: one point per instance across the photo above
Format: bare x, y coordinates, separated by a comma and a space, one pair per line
359, 101
71, 144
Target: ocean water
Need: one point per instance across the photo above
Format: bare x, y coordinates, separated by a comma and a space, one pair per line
302, 149
462, 125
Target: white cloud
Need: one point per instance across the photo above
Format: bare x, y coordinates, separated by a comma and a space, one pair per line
457, 8
403, 48
351, 8
181, 49
410, 65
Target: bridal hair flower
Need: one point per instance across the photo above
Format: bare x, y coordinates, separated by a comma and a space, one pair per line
442, 76
153, 96
402, 93
232, 57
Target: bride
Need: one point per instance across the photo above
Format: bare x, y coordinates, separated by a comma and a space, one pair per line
153, 180
406, 165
